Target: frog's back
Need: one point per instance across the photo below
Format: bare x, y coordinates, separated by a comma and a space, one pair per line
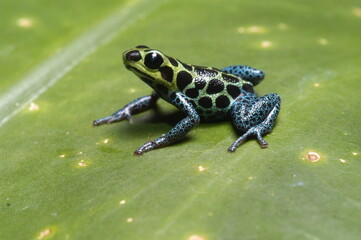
211, 91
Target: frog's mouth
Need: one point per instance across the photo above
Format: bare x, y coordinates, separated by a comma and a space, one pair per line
145, 77
137, 71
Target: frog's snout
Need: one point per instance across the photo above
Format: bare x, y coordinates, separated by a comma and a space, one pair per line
132, 56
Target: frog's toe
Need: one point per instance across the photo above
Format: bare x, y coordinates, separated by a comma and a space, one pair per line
232, 149
95, 123
101, 121
137, 153
238, 142
129, 118
145, 148
261, 141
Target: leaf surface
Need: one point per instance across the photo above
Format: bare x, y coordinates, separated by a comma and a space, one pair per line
62, 179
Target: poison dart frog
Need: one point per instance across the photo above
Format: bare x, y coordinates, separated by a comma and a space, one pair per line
202, 93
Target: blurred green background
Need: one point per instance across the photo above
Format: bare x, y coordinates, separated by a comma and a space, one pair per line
62, 179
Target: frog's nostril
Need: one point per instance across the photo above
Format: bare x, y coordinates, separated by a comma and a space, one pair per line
133, 56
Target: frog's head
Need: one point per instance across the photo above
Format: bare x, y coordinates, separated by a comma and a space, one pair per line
151, 65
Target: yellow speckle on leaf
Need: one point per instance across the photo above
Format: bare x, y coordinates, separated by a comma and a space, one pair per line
354, 153
342, 160
316, 84
62, 155
122, 202
251, 30
282, 26
196, 237
313, 156
82, 163
33, 107
323, 41
129, 220
25, 22
45, 233
241, 30
266, 44
106, 141
357, 12
256, 29
201, 168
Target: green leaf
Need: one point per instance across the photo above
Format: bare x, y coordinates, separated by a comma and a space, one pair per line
62, 179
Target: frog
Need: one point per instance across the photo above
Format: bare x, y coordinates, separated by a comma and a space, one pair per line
203, 94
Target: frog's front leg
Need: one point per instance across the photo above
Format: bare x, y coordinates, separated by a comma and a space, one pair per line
247, 73
254, 116
177, 132
139, 105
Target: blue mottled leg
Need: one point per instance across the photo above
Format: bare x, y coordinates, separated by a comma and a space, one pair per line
177, 132
247, 73
254, 116
139, 105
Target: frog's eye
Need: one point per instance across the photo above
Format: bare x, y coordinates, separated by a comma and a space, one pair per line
133, 56
141, 46
153, 60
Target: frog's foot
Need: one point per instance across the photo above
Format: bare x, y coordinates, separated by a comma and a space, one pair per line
251, 132
139, 105
255, 116
149, 146
116, 117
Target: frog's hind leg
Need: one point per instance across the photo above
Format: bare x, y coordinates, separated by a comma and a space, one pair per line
254, 116
247, 73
